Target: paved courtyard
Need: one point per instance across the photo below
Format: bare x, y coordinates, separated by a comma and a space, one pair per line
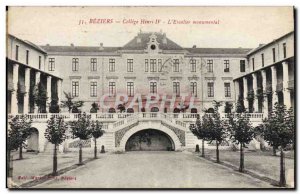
153, 170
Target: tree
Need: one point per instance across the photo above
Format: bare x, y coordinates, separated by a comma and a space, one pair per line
40, 97
54, 107
96, 131
278, 131
81, 129
94, 108
200, 130
241, 132
217, 128
55, 134
70, 104
20, 129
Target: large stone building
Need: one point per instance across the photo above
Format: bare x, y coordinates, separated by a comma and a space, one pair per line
165, 85
270, 76
150, 63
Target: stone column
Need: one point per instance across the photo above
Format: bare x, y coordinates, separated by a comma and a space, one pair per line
59, 82
27, 87
237, 93
274, 84
255, 100
264, 84
49, 78
37, 81
246, 104
285, 80
14, 99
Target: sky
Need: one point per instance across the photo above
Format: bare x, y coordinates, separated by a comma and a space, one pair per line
245, 27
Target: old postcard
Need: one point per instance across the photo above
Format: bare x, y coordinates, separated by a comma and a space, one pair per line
150, 97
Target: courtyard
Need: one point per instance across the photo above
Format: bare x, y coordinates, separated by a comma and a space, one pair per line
138, 169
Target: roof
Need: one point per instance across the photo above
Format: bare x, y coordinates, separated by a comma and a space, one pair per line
34, 46
142, 44
49, 48
265, 45
229, 51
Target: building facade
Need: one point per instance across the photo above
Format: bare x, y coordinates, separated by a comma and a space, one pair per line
152, 64
270, 76
161, 85
25, 70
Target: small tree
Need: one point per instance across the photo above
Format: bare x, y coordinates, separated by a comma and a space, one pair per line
70, 104
96, 131
200, 130
81, 129
241, 132
54, 107
40, 97
278, 131
217, 128
94, 108
20, 129
55, 134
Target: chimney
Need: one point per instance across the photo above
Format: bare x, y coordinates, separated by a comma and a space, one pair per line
194, 46
47, 45
72, 45
164, 40
101, 47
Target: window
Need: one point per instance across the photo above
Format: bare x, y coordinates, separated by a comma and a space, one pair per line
210, 65
153, 67
111, 65
112, 88
130, 89
274, 55
93, 64
75, 88
210, 89
253, 64
146, 65
75, 64
226, 66
193, 65
242, 66
17, 52
284, 50
51, 65
262, 60
159, 65
176, 65
129, 65
227, 89
27, 57
40, 62
153, 87
194, 89
176, 88
93, 89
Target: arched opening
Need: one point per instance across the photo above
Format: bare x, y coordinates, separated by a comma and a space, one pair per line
112, 110
154, 109
130, 110
33, 141
150, 140
194, 110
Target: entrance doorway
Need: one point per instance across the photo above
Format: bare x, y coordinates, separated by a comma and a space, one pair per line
149, 140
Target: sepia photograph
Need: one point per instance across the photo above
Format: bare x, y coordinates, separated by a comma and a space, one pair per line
150, 97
